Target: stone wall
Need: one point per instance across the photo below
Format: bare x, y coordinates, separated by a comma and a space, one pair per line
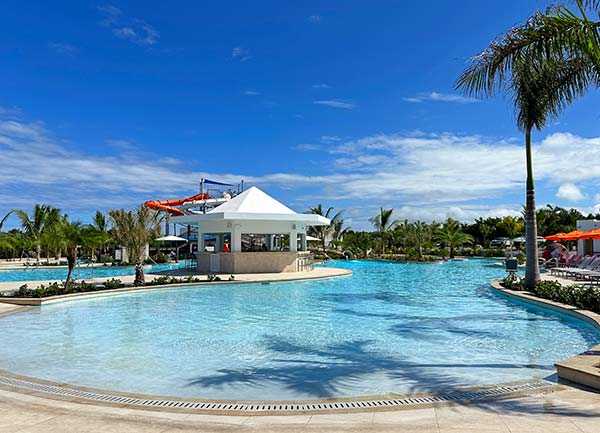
251, 262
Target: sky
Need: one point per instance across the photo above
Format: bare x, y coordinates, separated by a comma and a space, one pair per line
346, 103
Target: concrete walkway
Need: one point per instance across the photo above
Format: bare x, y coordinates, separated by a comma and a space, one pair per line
317, 272
566, 411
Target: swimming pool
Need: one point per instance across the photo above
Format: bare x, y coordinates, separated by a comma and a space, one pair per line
85, 272
387, 328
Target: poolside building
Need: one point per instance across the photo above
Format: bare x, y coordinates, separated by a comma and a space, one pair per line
254, 233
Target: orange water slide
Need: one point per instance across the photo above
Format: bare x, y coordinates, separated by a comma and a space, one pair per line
168, 205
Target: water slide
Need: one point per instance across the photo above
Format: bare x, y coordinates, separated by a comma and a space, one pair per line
169, 205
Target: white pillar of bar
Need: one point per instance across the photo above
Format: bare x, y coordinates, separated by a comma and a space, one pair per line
294, 239
303, 242
236, 239
200, 242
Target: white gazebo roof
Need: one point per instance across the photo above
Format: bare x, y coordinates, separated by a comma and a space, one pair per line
255, 205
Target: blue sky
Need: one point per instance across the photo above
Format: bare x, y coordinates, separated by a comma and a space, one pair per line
348, 103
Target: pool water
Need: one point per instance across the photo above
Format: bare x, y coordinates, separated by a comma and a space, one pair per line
60, 273
387, 328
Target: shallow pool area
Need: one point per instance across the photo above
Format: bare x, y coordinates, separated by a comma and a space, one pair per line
83, 272
390, 327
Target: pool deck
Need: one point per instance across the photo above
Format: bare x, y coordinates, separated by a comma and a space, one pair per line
316, 273
568, 410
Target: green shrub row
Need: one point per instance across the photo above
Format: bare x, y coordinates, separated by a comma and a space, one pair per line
584, 297
57, 288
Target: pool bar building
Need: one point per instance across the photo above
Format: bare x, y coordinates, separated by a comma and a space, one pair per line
254, 233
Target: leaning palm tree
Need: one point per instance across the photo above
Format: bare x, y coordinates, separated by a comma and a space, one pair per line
540, 88
134, 230
383, 223
452, 236
43, 221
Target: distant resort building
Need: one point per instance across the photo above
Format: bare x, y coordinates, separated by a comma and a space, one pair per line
247, 232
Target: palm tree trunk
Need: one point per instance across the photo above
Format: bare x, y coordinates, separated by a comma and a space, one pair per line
532, 267
139, 275
71, 259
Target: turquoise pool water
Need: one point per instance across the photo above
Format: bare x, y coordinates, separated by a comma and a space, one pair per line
58, 274
387, 328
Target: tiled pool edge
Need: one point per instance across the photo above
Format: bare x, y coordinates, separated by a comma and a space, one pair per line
582, 369
91, 396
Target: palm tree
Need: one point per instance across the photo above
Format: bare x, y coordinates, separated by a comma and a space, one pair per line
383, 224
134, 230
334, 229
544, 64
44, 219
71, 233
103, 235
452, 236
420, 233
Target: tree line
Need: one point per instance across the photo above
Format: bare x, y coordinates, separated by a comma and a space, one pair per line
417, 240
50, 233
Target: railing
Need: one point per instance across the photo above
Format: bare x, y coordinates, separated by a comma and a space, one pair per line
304, 264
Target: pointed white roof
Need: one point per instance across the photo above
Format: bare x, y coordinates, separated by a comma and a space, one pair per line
253, 205
253, 200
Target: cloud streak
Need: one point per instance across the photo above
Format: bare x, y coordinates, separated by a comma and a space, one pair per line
335, 103
132, 29
440, 97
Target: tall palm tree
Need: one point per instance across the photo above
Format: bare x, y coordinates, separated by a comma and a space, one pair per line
540, 88
383, 223
452, 236
43, 221
134, 230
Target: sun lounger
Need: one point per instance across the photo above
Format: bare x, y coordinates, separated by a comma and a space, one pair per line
582, 272
564, 269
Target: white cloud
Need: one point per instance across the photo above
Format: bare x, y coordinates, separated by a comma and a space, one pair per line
440, 97
321, 86
315, 19
423, 176
570, 192
10, 112
251, 93
63, 48
336, 104
330, 139
132, 29
240, 54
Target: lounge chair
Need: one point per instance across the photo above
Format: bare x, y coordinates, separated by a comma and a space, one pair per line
582, 272
564, 269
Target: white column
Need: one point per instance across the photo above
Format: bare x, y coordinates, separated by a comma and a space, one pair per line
200, 242
236, 239
303, 242
294, 239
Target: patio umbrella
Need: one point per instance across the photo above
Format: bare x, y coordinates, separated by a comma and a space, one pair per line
575, 235
555, 237
312, 238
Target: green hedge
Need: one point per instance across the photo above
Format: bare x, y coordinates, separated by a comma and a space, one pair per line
584, 297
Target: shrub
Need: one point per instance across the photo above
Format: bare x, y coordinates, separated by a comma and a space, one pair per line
585, 297
113, 284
